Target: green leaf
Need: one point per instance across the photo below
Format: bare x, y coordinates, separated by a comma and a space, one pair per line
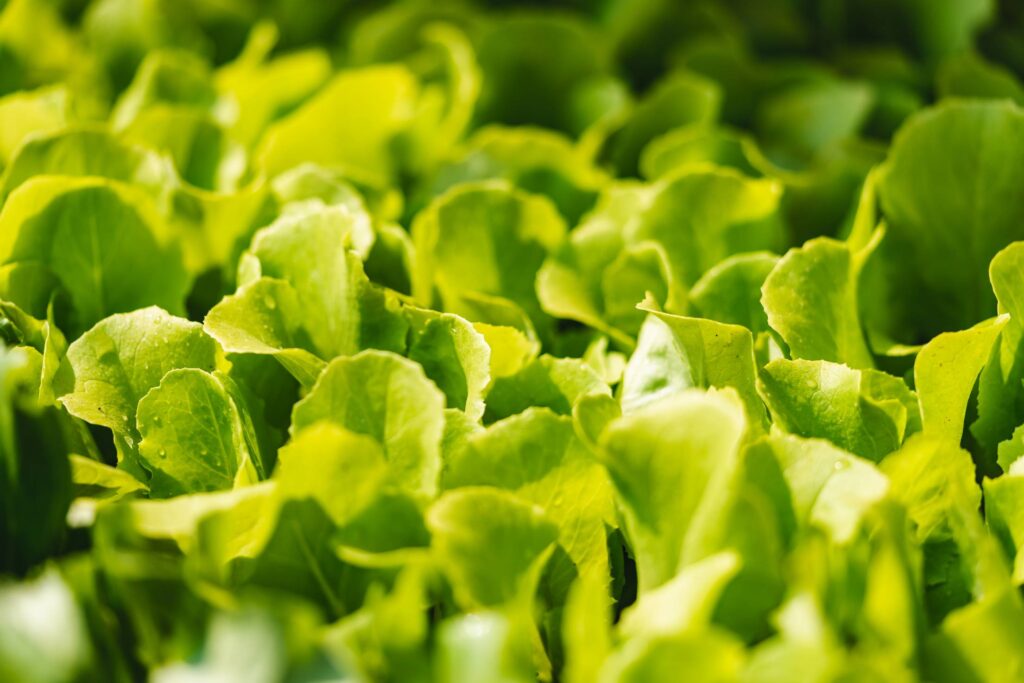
390, 399
660, 239
587, 630
455, 356
970, 75
591, 414
446, 105
597, 277
103, 243
490, 543
264, 318
532, 64
277, 537
92, 479
263, 88
306, 188
144, 549
992, 623
686, 603
343, 471
537, 455
730, 292
694, 146
485, 645
175, 77
675, 353
939, 32
511, 348
113, 365
555, 383
193, 438
1000, 388
928, 475
244, 644
802, 121
484, 238
866, 412
95, 484
810, 298
30, 113
711, 655
308, 250
945, 372
327, 130
42, 335
533, 159
704, 216
87, 151
609, 365
291, 553
831, 489
678, 100
215, 226
387, 637
202, 154
540, 342
1005, 516
943, 231
805, 644
667, 500
284, 308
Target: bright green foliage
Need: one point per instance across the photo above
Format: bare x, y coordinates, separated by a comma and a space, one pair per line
485, 238
359, 140
282, 290
864, 411
110, 368
489, 543
193, 438
810, 297
93, 242
668, 498
943, 394
455, 356
389, 398
730, 292
955, 227
675, 353
633, 341
537, 455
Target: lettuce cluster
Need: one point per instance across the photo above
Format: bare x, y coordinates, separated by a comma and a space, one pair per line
488, 342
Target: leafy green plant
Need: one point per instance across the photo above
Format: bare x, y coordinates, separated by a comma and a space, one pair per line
509, 342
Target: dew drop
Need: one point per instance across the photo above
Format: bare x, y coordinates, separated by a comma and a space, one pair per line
163, 453
270, 302
840, 465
